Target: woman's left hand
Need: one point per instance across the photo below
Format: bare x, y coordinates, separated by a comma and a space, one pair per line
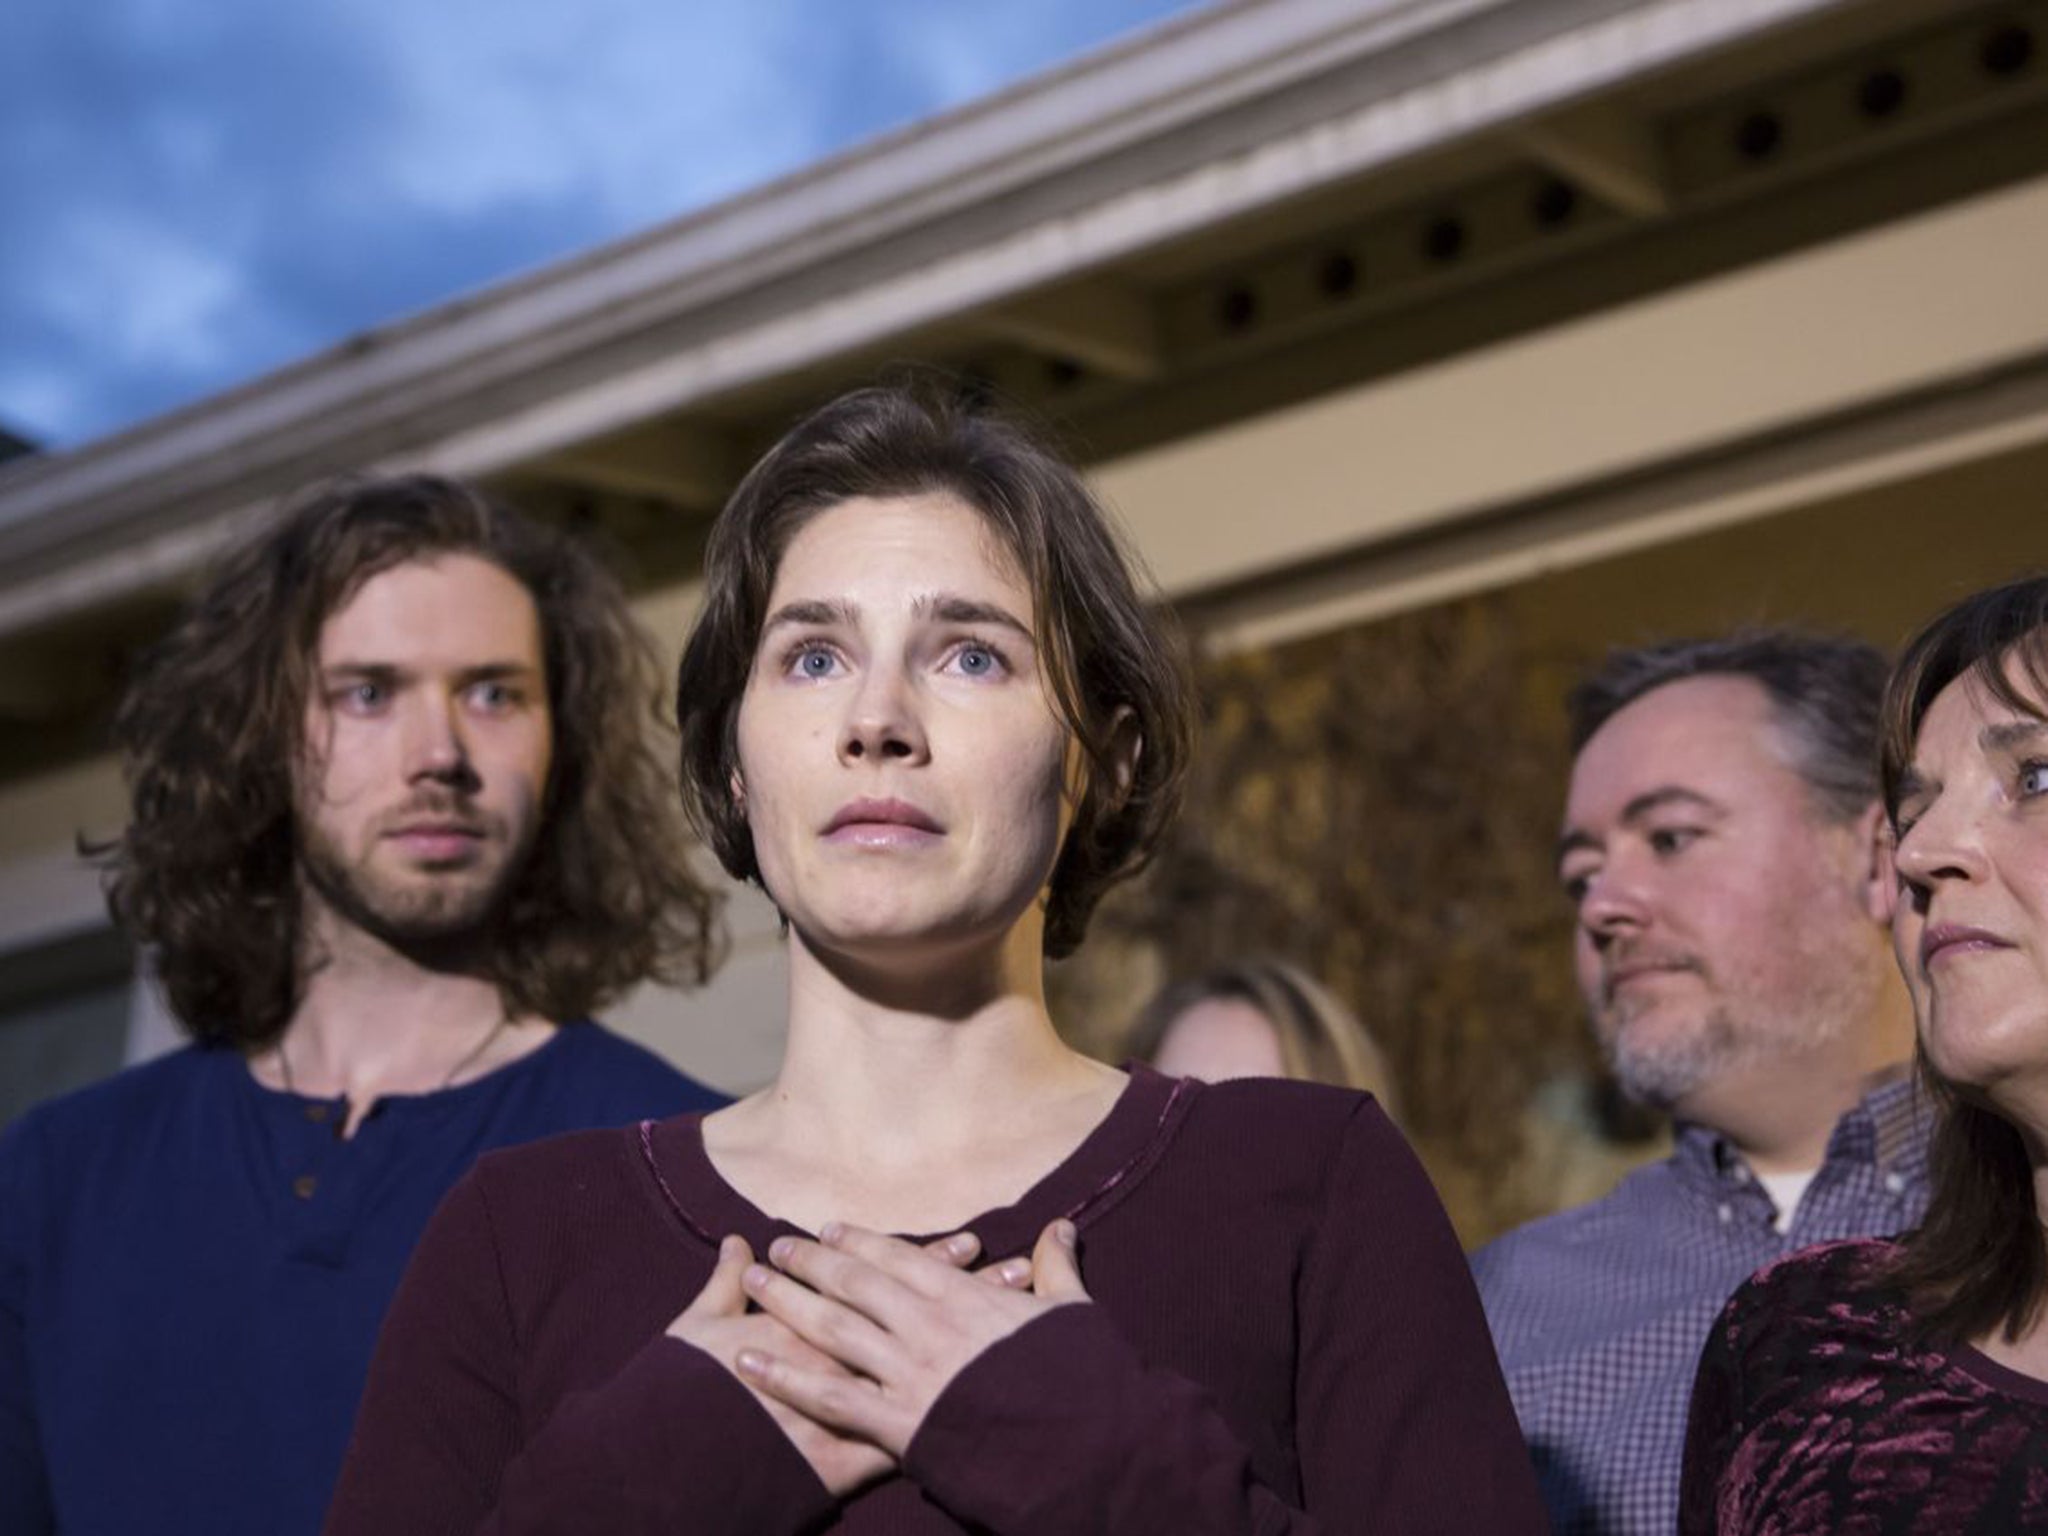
905, 1321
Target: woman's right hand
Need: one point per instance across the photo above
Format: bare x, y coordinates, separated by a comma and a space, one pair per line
719, 1323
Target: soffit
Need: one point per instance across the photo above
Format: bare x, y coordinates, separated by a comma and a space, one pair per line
1396, 186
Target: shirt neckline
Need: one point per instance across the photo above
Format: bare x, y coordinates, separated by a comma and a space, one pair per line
1886, 1129
405, 1102
2002, 1379
1110, 1160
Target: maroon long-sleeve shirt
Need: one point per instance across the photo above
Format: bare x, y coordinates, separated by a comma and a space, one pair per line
1283, 1338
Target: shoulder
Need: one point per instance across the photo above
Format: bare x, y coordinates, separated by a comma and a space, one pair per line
1858, 1262
632, 1080
124, 1134
163, 1086
1827, 1312
1598, 1274
1589, 1232
551, 1202
1820, 1337
578, 1164
1312, 1116
1831, 1287
1330, 1154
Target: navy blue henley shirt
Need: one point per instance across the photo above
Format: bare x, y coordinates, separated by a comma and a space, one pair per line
193, 1269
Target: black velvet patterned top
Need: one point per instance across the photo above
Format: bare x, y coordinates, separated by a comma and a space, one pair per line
1815, 1411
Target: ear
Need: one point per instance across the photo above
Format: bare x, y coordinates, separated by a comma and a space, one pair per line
1876, 877
1126, 747
737, 788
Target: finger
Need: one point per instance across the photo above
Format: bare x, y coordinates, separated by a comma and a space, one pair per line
759, 1330
852, 1278
1010, 1275
825, 1323
839, 1402
1056, 1265
724, 1294
909, 1266
959, 1250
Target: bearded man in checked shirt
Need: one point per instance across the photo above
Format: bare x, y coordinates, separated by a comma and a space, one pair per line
1723, 848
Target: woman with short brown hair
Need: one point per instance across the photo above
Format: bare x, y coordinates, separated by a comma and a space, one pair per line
927, 708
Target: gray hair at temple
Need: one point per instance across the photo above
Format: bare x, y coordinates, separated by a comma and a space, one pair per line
1825, 691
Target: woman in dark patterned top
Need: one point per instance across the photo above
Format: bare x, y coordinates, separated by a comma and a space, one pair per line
926, 707
1893, 1388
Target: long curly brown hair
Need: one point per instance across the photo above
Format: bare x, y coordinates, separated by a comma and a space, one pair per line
207, 871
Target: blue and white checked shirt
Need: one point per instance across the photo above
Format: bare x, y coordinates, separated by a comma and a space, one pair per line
1600, 1313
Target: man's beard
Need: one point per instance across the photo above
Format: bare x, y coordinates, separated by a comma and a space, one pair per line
1814, 997
453, 911
1661, 1071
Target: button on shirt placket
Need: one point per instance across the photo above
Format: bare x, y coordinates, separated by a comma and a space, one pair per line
318, 1171
318, 1112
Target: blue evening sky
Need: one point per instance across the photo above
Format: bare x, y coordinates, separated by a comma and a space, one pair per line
193, 192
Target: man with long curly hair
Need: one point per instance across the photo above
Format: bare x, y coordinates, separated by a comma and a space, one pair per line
397, 828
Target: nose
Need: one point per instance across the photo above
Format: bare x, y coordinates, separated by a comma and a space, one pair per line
1613, 904
436, 748
883, 721
1942, 844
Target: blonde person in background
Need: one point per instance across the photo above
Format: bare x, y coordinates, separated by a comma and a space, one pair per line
1259, 1017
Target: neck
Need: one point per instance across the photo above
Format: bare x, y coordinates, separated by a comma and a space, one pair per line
1780, 1111
373, 1020
917, 1057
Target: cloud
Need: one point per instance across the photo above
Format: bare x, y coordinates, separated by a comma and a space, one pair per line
196, 195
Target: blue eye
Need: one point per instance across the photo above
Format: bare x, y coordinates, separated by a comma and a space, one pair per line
2033, 779
815, 662
977, 659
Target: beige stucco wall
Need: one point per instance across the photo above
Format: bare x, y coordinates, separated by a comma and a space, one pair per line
1952, 295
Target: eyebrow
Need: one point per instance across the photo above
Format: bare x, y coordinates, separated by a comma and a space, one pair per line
949, 609
391, 672
2011, 733
812, 611
945, 607
2005, 736
1642, 805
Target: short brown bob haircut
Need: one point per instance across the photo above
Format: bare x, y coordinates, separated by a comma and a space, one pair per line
1978, 1261
212, 730
1105, 650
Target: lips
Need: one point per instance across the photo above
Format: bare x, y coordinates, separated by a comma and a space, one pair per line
1943, 940
1644, 968
438, 841
881, 823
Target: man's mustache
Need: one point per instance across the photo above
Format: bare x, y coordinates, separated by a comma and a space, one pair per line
1618, 966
